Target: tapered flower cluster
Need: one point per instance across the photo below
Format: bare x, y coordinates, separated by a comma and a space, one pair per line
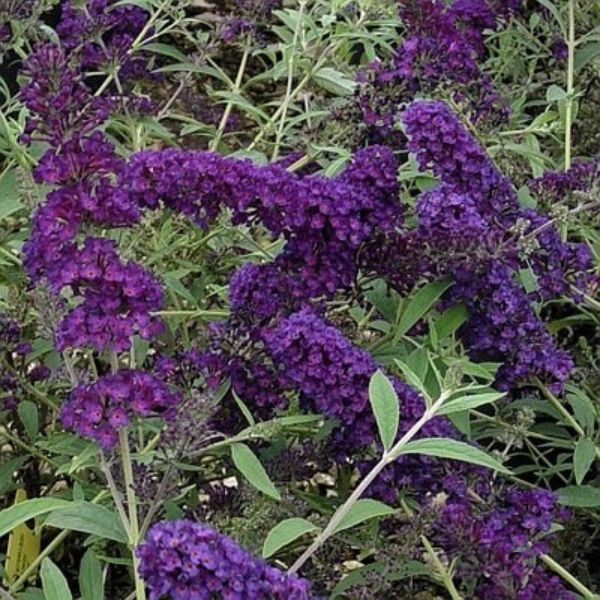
187, 561
500, 545
98, 410
102, 33
117, 298
443, 49
441, 143
557, 185
323, 220
60, 104
471, 227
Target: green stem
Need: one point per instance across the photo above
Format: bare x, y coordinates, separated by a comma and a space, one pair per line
237, 86
290, 80
70, 369
140, 589
114, 490
570, 86
388, 457
570, 579
443, 574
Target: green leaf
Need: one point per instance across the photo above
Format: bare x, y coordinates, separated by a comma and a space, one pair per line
452, 449
451, 320
420, 304
584, 409
244, 409
412, 378
54, 583
585, 454
249, 466
89, 518
173, 283
586, 54
28, 413
469, 402
385, 406
285, 533
9, 195
166, 50
19, 513
91, 584
555, 93
581, 496
333, 81
362, 511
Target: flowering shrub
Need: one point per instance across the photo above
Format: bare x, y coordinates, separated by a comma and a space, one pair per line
331, 317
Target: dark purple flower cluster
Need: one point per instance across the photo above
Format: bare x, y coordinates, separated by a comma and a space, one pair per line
188, 561
444, 45
499, 544
117, 299
102, 32
471, 226
98, 410
554, 186
503, 326
441, 143
61, 106
324, 221
259, 291
331, 374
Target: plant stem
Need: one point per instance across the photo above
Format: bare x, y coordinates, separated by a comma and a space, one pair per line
132, 509
290, 80
444, 576
560, 570
114, 490
387, 458
570, 85
237, 86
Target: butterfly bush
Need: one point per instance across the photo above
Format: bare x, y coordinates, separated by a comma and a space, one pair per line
98, 410
278, 341
471, 226
187, 561
500, 543
442, 50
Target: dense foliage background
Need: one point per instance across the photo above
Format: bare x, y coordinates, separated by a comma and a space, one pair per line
299, 299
